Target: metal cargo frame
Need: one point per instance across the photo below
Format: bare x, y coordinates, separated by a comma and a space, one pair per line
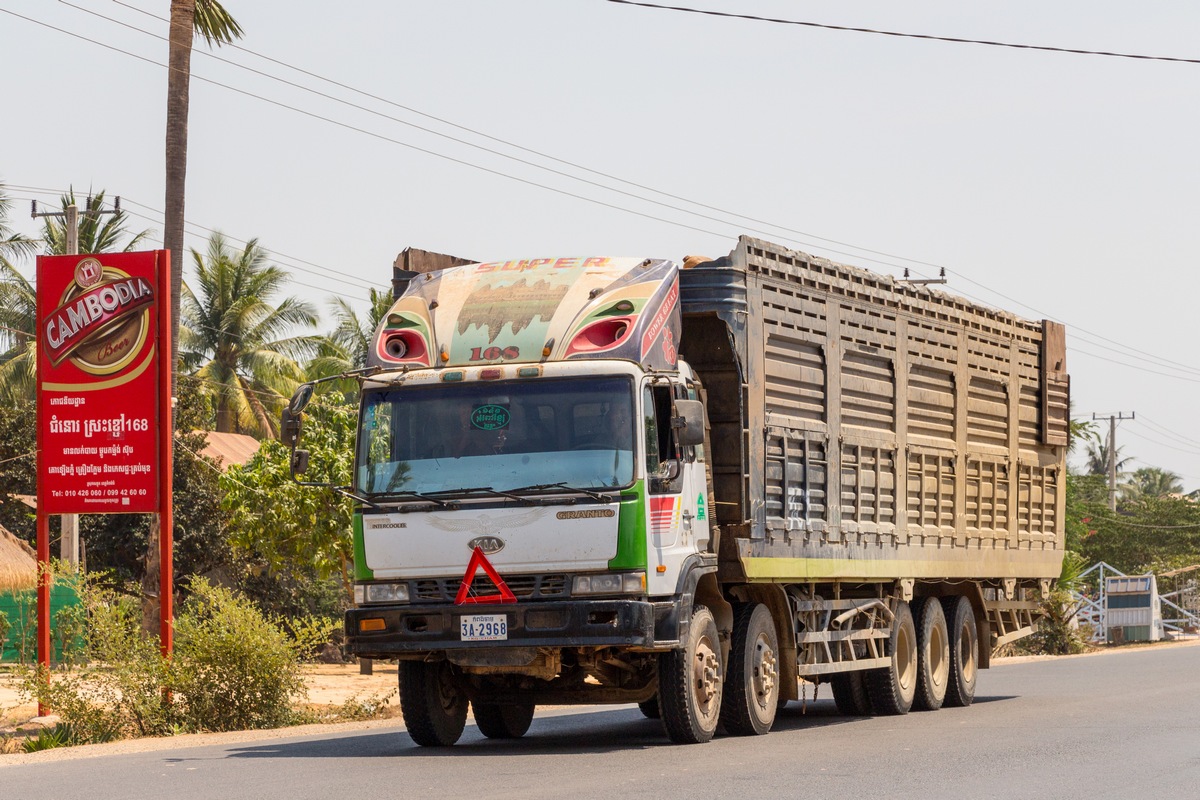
867, 428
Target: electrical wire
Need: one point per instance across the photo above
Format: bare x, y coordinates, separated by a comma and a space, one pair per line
1167, 363
924, 36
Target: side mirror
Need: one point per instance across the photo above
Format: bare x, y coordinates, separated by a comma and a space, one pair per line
289, 427
299, 462
300, 398
689, 425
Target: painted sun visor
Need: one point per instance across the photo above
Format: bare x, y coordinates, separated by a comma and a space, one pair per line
515, 540
535, 310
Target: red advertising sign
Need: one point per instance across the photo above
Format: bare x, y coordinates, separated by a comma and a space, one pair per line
98, 382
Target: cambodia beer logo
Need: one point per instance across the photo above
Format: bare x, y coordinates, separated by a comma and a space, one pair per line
101, 321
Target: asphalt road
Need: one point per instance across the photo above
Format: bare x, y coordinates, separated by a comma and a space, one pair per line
1122, 724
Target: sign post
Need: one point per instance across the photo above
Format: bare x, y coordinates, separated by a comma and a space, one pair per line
104, 401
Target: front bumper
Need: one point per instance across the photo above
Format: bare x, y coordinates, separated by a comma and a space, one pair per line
431, 628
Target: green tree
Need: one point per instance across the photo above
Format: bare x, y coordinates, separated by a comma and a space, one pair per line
118, 542
18, 310
18, 323
13, 246
98, 233
347, 346
1097, 458
1151, 482
233, 338
286, 527
189, 18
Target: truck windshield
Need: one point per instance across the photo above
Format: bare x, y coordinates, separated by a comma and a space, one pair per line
502, 435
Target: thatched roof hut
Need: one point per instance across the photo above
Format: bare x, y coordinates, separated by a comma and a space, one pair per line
18, 564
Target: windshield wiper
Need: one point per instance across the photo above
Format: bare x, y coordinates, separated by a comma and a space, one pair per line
563, 485
394, 495
491, 491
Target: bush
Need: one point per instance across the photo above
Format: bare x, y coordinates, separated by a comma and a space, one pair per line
233, 667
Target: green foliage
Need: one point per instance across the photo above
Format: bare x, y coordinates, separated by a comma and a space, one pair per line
358, 708
311, 633
1139, 534
98, 233
1058, 632
281, 524
18, 467
234, 668
235, 339
5, 627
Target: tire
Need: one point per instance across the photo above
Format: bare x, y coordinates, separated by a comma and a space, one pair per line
649, 708
933, 656
893, 688
502, 721
433, 707
850, 694
689, 683
751, 695
964, 651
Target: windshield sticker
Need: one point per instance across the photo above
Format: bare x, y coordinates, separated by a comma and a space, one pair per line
490, 418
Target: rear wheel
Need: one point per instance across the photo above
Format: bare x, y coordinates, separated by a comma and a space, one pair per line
933, 656
850, 694
434, 708
964, 651
649, 708
689, 683
751, 695
893, 687
502, 720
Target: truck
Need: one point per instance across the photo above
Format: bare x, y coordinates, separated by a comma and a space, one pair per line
694, 486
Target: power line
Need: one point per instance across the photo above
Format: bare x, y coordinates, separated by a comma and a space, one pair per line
1162, 361
382, 137
925, 36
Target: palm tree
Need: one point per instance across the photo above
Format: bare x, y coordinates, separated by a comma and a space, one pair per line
1151, 483
13, 246
18, 297
347, 346
231, 336
18, 323
98, 233
209, 19
1097, 458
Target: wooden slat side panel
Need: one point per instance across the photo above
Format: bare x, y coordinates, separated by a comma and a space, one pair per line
868, 392
868, 493
987, 502
796, 480
930, 493
931, 404
796, 378
987, 413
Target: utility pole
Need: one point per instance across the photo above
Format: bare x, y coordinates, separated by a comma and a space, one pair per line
1113, 419
69, 523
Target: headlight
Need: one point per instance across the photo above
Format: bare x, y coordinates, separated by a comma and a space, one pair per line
610, 583
385, 592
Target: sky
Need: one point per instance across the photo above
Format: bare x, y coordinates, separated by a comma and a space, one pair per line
1054, 185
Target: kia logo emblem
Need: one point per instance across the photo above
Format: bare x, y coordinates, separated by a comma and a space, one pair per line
488, 544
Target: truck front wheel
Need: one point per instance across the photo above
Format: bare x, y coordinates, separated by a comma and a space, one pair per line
502, 721
434, 708
893, 688
689, 683
752, 680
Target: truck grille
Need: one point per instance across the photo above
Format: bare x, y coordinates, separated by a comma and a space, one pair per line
526, 587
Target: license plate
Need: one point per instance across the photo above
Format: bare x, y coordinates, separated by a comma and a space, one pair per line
484, 627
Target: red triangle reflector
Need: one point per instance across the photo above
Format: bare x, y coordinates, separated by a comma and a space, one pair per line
478, 559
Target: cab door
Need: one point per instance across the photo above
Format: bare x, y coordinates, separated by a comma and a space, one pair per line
676, 488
